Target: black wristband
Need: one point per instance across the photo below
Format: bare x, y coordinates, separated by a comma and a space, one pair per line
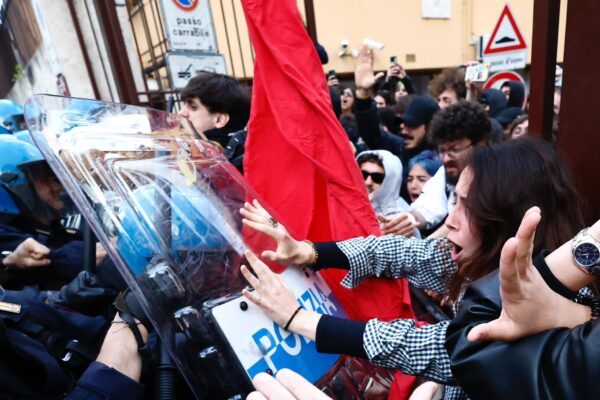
285, 328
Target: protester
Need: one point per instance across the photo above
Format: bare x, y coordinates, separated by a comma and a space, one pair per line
485, 215
553, 329
493, 102
457, 130
448, 87
382, 172
217, 105
506, 118
515, 94
519, 127
414, 121
347, 99
383, 99
421, 168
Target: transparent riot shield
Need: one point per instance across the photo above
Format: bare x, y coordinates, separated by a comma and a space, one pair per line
165, 205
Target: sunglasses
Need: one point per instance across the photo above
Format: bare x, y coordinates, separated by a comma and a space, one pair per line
376, 177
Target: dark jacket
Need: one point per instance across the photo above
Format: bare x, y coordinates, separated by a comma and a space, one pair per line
556, 364
66, 252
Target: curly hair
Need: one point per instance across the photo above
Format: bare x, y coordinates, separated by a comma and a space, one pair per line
449, 78
464, 120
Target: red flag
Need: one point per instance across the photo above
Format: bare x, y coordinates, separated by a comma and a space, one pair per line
298, 157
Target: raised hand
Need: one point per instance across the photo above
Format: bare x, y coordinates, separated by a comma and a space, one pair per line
529, 306
289, 251
364, 76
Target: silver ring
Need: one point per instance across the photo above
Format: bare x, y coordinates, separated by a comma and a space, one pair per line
272, 221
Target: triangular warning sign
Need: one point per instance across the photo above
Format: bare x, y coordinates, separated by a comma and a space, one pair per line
506, 35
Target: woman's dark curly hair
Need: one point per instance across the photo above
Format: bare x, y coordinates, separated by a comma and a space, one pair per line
464, 120
507, 180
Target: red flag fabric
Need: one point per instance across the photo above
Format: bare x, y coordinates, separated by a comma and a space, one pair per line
299, 159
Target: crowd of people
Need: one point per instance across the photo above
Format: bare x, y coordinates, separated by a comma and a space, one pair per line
451, 176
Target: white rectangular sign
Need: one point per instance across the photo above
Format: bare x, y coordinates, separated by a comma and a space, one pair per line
506, 61
182, 67
189, 25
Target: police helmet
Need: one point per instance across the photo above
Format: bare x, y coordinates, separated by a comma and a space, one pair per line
19, 165
11, 115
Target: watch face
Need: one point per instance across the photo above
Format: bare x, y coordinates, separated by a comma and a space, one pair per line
586, 254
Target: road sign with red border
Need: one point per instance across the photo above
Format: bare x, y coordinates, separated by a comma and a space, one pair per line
497, 80
186, 5
506, 36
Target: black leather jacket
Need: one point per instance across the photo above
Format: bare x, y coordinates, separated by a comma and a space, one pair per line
555, 364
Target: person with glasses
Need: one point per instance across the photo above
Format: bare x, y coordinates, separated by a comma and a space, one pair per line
382, 172
456, 130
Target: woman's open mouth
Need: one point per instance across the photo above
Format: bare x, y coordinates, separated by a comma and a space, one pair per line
456, 251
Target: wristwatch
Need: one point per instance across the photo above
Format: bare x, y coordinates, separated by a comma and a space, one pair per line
586, 252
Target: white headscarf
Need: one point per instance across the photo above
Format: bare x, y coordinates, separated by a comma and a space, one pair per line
386, 198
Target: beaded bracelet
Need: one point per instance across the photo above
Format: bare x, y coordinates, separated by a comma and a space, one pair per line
313, 257
592, 302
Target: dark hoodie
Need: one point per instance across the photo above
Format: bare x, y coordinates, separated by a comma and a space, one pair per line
517, 93
495, 99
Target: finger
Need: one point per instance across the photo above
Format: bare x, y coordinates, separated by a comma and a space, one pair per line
252, 280
270, 387
254, 297
267, 229
382, 218
494, 330
299, 386
256, 396
258, 206
255, 216
379, 75
509, 273
525, 239
269, 255
263, 272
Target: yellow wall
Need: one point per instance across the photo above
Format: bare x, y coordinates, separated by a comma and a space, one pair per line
398, 24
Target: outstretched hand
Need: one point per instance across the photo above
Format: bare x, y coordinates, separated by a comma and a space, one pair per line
529, 306
271, 293
289, 251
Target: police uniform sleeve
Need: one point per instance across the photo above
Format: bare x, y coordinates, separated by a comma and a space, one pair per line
104, 383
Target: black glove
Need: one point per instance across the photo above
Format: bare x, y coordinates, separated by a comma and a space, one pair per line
83, 294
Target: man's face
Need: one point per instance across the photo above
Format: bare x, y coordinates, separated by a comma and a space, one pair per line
465, 239
413, 136
506, 91
454, 156
48, 187
198, 114
447, 98
556, 106
372, 172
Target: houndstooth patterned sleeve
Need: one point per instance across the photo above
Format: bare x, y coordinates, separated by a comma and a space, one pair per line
414, 351
425, 263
